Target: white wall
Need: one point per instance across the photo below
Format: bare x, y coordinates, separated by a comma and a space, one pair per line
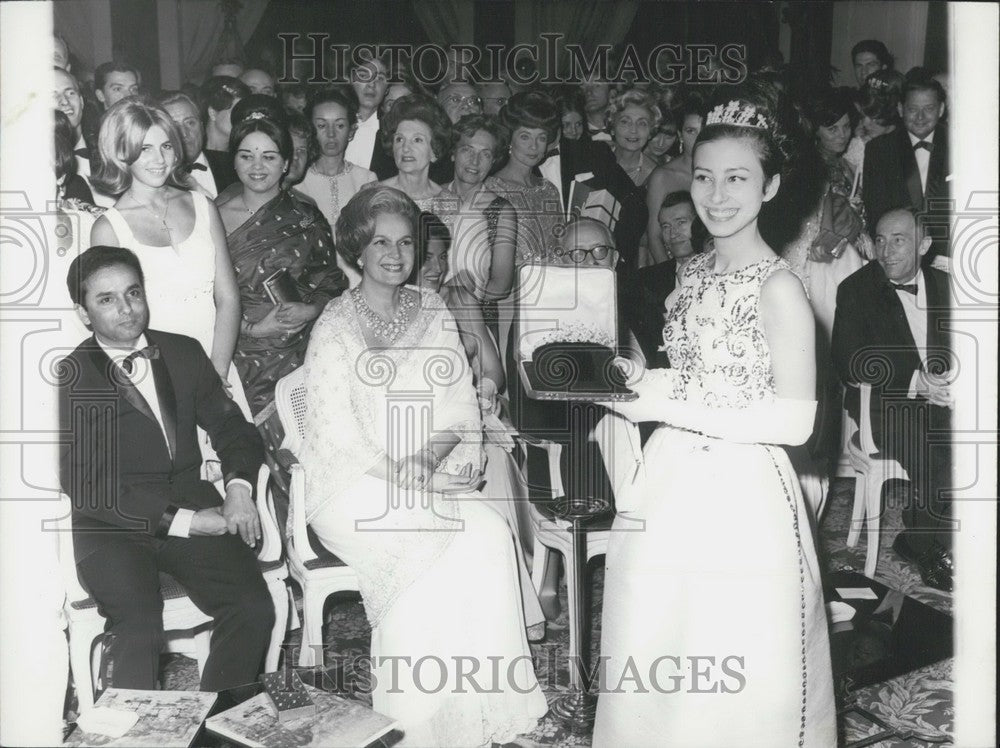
901, 26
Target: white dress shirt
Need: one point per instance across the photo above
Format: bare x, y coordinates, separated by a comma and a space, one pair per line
204, 178
915, 309
359, 150
923, 157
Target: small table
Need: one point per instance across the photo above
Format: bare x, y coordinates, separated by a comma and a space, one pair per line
578, 707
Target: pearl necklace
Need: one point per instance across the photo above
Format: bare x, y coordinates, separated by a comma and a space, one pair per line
387, 330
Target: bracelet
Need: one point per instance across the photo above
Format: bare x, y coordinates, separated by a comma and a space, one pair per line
434, 458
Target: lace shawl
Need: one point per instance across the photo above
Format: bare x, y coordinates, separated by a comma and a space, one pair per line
352, 392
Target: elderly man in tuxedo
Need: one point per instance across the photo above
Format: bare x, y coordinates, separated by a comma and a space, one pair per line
129, 405
891, 330
908, 167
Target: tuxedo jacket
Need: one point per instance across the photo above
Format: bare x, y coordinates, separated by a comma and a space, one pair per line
116, 465
223, 171
872, 342
892, 179
594, 157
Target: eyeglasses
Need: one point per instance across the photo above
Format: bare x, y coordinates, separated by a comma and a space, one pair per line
578, 254
500, 100
456, 100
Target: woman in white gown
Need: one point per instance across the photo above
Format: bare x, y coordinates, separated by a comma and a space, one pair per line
176, 233
392, 456
714, 630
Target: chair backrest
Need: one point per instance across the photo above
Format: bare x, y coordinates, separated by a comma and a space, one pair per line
67, 560
290, 400
271, 544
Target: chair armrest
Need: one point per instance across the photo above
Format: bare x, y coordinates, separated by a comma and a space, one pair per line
297, 512
67, 560
270, 541
865, 416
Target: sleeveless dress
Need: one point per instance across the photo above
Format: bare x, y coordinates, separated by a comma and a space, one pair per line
714, 629
180, 283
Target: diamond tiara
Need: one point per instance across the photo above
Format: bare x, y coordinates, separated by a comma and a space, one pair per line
738, 114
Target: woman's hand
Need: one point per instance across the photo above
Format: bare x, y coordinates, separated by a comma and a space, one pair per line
295, 315
277, 322
415, 470
466, 481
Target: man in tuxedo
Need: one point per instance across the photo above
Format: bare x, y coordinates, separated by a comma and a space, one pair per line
593, 164
908, 167
131, 465
891, 331
184, 113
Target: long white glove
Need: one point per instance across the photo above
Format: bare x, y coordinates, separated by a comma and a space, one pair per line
778, 421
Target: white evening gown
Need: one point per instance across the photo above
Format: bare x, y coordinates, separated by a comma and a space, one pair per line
438, 575
724, 570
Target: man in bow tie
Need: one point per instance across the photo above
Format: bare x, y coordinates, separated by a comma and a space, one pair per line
891, 331
128, 407
909, 166
185, 114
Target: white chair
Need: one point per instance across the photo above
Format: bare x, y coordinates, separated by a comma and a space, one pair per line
554, 535
872, 471
187, 629
319, 575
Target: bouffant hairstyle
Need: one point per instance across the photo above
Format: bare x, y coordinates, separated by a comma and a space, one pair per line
119, 143
336, 94
826, 107
634, 97
220, 92
880, 96
421, 109
431, 228
356, 224
276, 130
470, 124
258, 105
97, 258
531, 109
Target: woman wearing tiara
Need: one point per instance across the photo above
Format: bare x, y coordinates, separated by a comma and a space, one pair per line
714, 630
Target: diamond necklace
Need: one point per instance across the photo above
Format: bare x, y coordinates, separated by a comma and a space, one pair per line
387, 330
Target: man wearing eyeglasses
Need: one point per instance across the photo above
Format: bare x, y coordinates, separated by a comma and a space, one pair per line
495, 95
588, 242
458, 99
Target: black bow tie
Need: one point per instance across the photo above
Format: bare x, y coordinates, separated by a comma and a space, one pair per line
923, 144
149, 352
198, 167
82, 153
907, 287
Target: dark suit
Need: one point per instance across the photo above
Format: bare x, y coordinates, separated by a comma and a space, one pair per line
582, 156
873, 343
641, 296
892, 180
127, 480
223, 171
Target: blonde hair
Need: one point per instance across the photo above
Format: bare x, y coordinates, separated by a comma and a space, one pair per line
119, 143
635, 97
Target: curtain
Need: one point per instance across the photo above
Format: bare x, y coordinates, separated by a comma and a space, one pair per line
586, 24
201, 23
86, 27
446, 22
902, 26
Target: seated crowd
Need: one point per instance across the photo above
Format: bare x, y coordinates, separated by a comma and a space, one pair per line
374, 232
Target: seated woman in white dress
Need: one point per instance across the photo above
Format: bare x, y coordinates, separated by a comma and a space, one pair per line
392, 442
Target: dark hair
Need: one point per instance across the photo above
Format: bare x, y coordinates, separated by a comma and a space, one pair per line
769, 141
292, 89
106, 68
276, 130
97, 258
220, 92
826, 107
531, 109
335, 94
422, 109
65, 139
692, 104
356, 223
258, 105
875, 47
880, 96
919, 80
699, 233
470, 124
430, 228
569, 99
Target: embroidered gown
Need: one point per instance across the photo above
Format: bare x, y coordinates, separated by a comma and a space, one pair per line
438, 575
716, 561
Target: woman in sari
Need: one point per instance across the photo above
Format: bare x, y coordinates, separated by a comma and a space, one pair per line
392, 434
282, 253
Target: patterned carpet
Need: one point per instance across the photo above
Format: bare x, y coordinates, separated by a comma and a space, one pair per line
920, 701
